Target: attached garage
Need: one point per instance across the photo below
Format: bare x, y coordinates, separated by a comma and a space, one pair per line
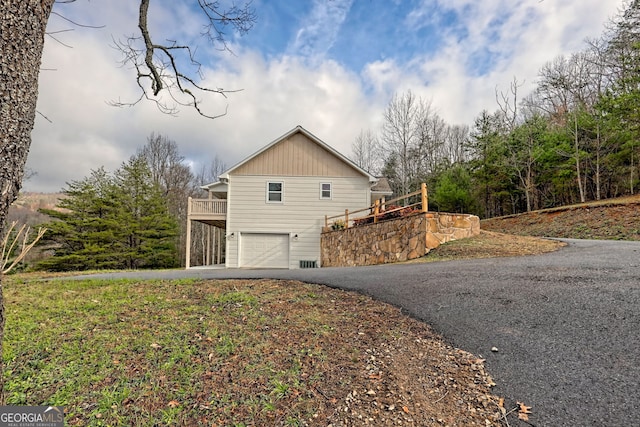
263, 250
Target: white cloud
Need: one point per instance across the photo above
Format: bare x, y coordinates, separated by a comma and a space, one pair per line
523, 36
282, 91
277, 95
319, 30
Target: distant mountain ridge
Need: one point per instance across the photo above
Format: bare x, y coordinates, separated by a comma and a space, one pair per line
25, 208
34, 201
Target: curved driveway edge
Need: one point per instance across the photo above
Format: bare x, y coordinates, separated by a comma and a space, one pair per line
566, 324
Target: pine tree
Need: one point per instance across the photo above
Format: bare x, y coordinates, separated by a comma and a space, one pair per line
148, 231
620, 103
82, 236
453, 191
488, 158
112, 222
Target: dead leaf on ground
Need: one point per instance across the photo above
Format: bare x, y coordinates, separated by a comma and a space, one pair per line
524, 411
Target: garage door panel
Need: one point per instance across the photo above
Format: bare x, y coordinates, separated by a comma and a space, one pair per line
264, 250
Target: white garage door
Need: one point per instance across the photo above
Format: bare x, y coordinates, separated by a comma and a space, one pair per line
264, 250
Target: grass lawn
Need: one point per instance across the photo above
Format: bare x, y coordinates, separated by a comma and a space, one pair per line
150, 353
232, 353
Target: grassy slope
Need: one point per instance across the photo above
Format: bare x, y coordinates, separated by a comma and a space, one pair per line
230, 353
617, 219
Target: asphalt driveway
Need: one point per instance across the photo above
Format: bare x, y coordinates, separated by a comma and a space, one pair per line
566, 324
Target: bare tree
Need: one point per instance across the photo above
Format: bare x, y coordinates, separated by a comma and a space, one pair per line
622, 42
431, 135
210, 172
417, 142
457, 141
208, 242
22, 32
366, 152
508, 105
568, 87
523, 141
621, 39
168, 168
173, 176
15, 247
561, 93
399, 136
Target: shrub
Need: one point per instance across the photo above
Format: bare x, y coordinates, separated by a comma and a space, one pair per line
338, 225
391, 212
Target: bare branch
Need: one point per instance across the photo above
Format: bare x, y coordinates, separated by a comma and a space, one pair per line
508, 103
77, 24
159, 68
241, 18
43, 116
9, 245
59, 41
156, 81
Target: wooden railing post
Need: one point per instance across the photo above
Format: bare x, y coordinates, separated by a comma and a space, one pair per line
381, 205
187, 261
425, 198
376, 211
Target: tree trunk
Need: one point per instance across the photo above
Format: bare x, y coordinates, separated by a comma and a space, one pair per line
599, 146
578, 172
22, 30
631, 170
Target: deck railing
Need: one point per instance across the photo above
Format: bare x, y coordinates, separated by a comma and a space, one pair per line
377, 210
207, 207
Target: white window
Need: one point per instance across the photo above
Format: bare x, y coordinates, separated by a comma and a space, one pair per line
275, 192
325, 190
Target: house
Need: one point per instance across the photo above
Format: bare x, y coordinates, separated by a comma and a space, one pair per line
272, 205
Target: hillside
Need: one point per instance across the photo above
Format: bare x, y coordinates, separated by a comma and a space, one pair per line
25, 209
616, 219
35, 201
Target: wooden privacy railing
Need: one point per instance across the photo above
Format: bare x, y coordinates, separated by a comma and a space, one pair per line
207, 206
378, 209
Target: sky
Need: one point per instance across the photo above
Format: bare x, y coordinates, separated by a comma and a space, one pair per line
331, 66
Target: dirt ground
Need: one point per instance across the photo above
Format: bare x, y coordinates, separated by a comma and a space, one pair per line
381, 368
491, 244
414, 378
615, 219
410, 376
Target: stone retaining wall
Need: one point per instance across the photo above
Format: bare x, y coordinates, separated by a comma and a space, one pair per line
399, 239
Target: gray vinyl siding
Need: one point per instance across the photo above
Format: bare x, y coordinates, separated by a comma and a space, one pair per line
302, 211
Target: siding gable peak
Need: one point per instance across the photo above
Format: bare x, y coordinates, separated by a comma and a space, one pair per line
298, 153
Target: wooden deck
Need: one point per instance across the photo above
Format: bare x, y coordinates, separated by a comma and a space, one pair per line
208, 211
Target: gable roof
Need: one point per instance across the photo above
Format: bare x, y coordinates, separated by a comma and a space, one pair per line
382, 187
299, 129
218, 189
